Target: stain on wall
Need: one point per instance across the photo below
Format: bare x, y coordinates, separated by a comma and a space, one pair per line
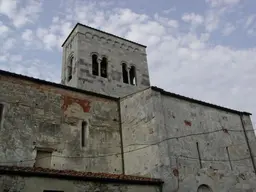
67, 101
38, 115
170, 153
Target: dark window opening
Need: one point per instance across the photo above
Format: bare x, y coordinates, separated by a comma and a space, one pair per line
1, 112
204, 188
43, 158
69, 73
52, 191
103, 67
83, 133
70, 67
95, 65
125, 73
132, 74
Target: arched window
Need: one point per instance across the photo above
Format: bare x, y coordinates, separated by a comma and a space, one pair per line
83, 133
70, 67
103, 67
95, 65
204, 188
132, 74
125, 73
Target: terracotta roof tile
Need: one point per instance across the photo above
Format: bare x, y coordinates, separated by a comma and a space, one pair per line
38, 171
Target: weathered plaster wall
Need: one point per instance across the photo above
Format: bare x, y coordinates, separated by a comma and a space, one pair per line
38, 115
141, 130
39, 184
174, 158
138, 127
117, 51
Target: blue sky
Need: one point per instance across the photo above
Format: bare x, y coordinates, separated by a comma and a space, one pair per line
205, 49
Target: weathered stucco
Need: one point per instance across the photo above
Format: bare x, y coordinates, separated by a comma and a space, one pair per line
43, 116
39, 184
85, 41
161, 134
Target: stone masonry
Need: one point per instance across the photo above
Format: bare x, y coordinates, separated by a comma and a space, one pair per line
83, 42
187, 144
39, 116
38, 179
105, 123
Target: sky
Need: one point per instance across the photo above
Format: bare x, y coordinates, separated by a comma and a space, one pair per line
204, 49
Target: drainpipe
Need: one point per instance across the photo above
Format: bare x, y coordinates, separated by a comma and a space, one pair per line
248, 144
121, 135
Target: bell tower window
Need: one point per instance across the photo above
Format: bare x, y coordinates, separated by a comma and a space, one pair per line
125, 73
70, 67
132, 74
95, 65
103, 67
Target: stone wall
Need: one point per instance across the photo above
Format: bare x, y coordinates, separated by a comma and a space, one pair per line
70, 49
45, 116
41, 184
166, 135
87, 41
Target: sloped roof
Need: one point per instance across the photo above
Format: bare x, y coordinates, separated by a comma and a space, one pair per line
101, 32
57, 85
164, 92
73, 175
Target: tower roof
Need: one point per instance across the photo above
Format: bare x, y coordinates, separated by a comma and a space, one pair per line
101, 32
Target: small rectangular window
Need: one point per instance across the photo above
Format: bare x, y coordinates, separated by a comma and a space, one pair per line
43, 158
83, 133
1, 113
95, 65
125, 73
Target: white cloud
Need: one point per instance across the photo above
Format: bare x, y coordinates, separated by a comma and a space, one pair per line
167, 11
55, 19
228, 29
250, 21
47, 38
53, 36
213, 19
180, 60
251, 32
3, 29
3, 58
217, 3
50, 41
8, 7
16, 58
8, 44
27, 35
193, 18
20, 12
166, 21
30, 67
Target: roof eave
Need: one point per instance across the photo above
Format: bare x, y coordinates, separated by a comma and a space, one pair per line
101, 32
198, 101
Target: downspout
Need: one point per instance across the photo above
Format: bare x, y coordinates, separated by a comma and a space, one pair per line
248, 144
121, 135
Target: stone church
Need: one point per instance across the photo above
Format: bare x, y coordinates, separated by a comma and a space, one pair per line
105, 128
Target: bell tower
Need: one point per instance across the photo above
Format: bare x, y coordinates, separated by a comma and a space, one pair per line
100, 62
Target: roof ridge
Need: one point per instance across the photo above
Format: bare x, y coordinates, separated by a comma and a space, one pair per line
198, 101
